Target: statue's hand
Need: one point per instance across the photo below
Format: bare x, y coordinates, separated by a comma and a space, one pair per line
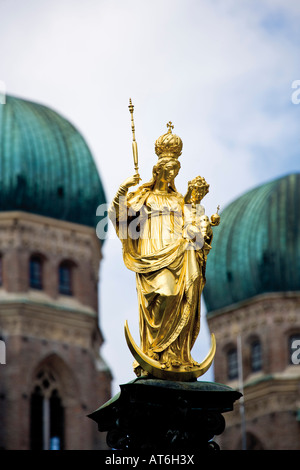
131, 181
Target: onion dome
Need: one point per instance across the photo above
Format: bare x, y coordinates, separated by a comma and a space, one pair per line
256, 247
46, 166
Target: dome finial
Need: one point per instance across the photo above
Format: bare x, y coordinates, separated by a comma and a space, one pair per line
170, 127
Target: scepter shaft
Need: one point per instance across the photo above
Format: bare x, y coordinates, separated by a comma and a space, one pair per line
134, 143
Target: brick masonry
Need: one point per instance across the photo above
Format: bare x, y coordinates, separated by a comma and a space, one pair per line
272, 395
44, 330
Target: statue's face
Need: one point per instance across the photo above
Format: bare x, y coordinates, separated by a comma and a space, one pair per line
196, 195
169, 172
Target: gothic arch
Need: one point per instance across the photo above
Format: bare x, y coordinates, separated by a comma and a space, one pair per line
53, 391
63, 375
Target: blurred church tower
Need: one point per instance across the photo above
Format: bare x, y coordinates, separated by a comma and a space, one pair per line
252, 297
49, 262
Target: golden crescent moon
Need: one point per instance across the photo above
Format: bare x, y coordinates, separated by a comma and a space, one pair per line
158, 370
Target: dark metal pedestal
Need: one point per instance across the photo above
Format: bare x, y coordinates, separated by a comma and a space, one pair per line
159, 415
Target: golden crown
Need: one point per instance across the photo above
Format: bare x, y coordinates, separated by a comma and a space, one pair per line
168, 145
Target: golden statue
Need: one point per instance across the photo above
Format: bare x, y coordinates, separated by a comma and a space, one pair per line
166, 239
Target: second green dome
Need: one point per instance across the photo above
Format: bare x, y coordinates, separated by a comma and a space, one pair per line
256, 247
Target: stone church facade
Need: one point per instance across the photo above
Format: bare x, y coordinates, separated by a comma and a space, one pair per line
54, 375
253, 303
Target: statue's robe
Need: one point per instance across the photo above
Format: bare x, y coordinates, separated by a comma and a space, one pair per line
170, 271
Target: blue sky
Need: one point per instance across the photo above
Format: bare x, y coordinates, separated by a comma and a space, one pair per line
221, 70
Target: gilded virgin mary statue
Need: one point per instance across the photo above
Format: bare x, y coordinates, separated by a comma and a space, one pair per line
166, 239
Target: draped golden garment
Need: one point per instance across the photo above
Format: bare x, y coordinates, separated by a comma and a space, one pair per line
169, 272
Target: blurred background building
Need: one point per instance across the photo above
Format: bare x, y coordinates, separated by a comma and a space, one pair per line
49, 265
252, 297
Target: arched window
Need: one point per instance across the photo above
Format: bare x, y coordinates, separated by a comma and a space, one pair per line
65, 281
256, 356
294, 349
46, 414
232, 364
36, 272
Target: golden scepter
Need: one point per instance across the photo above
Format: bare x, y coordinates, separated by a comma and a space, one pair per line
134, 143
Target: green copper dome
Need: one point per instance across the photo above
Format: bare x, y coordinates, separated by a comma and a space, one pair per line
256, 247
45, 165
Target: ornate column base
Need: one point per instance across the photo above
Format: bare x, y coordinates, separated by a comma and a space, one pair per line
158, 415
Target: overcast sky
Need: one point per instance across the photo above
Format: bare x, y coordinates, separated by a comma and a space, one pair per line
221, 70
